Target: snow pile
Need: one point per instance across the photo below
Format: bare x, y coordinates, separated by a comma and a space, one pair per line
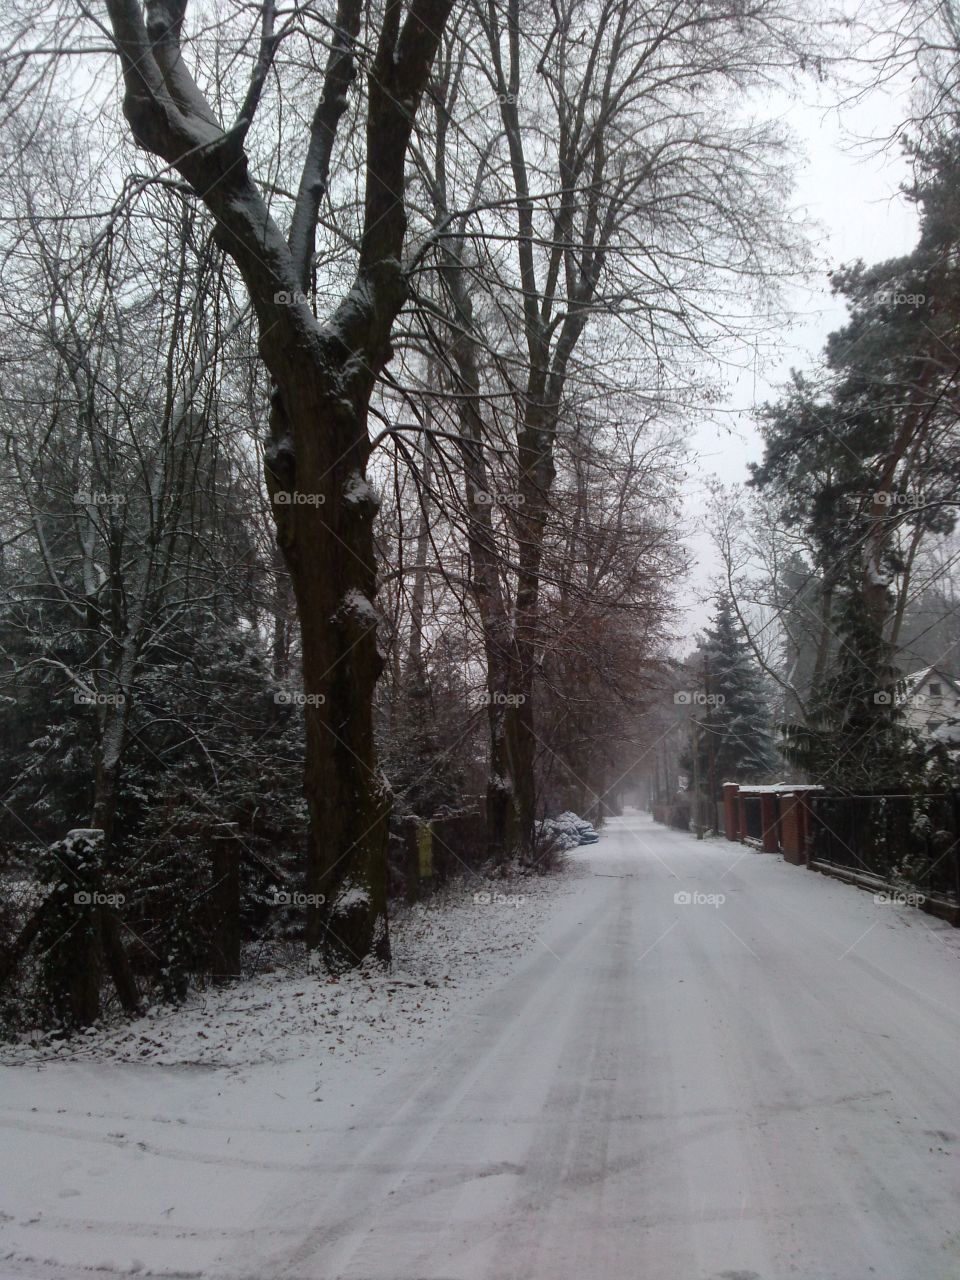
452, 945
567, 831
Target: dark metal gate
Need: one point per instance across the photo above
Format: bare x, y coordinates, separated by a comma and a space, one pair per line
903, 839
753, 817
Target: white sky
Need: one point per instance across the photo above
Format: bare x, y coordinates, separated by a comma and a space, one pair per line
852, 192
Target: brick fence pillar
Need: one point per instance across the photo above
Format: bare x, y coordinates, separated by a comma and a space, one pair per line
731, 811
768, 820
791, 828
805, 815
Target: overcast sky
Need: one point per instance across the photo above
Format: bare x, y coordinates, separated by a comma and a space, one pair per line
852, 193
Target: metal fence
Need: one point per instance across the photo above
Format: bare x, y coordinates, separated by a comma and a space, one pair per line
909, 840
752, 817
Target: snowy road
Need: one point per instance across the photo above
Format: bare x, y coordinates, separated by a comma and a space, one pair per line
758, 1088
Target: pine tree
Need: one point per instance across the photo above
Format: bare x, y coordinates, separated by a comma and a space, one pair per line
854, 738
734, 723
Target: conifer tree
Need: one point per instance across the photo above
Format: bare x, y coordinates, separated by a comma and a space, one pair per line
736, 739
854, 738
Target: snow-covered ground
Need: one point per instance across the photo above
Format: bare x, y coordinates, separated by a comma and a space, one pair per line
756, 1081
445, 950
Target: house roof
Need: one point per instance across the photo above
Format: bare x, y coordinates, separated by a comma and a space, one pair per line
913, 681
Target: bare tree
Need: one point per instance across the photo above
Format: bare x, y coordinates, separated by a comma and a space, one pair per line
583, 221
323, 372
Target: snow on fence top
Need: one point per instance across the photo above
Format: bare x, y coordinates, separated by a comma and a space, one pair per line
774, 788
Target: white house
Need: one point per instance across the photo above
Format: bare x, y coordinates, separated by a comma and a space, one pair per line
930, 702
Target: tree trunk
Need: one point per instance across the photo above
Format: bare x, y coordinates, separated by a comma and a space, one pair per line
83, 976
501, 793
225, 904
536, 475
110, 933
323, 374
281, 619
106, 787
324, 511
418, 595
499, 637
118, 962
